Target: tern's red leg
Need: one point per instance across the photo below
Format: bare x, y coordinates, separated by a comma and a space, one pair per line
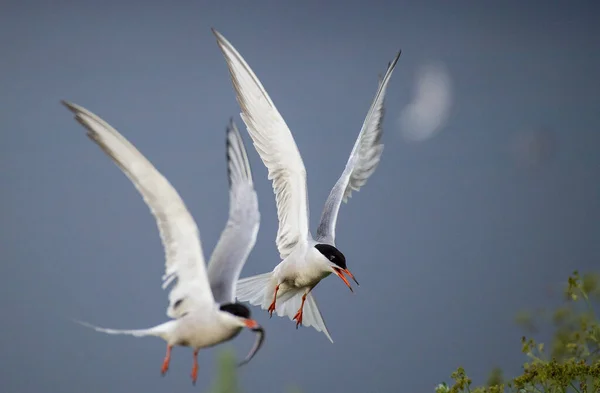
272, 306
195, 367
165, 365
298, 316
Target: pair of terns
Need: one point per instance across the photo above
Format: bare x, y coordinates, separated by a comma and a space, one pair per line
202, 301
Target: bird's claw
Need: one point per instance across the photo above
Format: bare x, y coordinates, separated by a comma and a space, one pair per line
272, 306
298, 318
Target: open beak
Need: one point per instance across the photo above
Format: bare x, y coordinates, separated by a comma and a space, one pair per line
260, 337
351, 276
338, 272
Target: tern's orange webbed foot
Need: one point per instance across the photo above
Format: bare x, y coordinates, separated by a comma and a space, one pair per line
195, 368
271, 309
165, 365
298, 316
272, 306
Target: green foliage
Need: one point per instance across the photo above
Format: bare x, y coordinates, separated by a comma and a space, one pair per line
572, 361
226, 381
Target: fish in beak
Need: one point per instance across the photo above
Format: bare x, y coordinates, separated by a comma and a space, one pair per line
260, 338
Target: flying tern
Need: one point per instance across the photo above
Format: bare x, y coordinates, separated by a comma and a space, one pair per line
305, 260
202, 303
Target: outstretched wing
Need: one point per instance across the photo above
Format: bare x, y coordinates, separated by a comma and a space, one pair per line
239, 236
362, 163
178, 230
276, 147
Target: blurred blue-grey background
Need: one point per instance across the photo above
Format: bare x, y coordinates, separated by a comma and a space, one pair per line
487, 196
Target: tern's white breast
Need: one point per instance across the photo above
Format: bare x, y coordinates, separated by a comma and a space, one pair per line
304, 267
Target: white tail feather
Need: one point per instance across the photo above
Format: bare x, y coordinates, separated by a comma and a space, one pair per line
289, 303
313, 315
254, 289
258, 291
163, 330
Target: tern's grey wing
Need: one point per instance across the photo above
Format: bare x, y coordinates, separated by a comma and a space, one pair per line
362, 163
239, 235
178, 230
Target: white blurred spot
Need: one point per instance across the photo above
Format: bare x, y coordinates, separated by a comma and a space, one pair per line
430, 107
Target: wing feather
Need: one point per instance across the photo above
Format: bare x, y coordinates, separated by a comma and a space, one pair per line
239, 236
363, 161
177, 228
275, 145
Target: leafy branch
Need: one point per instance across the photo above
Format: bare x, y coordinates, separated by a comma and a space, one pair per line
572, 363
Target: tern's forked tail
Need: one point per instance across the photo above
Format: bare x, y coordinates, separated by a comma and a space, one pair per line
259, 290
163, 330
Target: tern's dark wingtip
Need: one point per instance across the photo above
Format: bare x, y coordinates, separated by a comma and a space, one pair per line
68, 105
393, 62
218, 35
229, 130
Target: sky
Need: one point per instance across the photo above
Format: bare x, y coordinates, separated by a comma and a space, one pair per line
485, 200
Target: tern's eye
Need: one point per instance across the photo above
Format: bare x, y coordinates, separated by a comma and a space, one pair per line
332, 257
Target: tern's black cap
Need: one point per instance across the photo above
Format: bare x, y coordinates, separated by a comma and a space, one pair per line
237, 309
332, 254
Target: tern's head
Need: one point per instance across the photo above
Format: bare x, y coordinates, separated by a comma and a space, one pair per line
242, 315
337, 262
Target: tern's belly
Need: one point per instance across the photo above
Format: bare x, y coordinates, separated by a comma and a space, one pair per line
304, 268
196, 333
308, 279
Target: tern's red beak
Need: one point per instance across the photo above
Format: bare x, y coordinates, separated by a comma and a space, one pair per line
338, 272
251, 323
351, 276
